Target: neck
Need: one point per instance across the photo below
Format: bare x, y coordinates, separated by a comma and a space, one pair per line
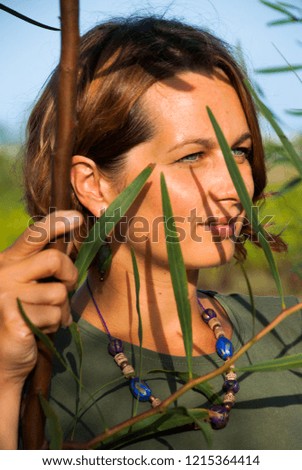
116, 299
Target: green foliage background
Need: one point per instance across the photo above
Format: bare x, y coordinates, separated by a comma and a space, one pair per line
13, 217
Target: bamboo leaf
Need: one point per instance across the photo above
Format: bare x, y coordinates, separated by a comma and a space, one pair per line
246, 202
140, 323
77, 341
279, 7
288, 147
287, 68
204, 427
39, 334
137, 291
290, 5
178, 274
170, 420
106, 223
283, 363
55, 429
294, 112
285, 21
291, 68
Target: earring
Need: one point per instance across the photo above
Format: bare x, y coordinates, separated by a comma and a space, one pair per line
104, 259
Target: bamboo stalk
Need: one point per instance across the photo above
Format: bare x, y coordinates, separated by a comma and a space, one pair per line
33, 420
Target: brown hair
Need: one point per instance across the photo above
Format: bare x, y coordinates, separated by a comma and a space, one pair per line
119, 61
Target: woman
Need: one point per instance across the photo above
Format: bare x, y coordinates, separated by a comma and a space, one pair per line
144, 85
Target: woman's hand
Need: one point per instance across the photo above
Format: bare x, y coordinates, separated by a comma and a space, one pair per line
46, 304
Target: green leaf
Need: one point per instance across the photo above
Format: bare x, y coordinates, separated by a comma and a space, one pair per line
39, 334
203, 426
294, 112
288, 147
55, 430
137, 291
287, 68
178, 273
250, 209
283, 363
282, 22
140, 323
279, 7
290, 5
77, 341
106, 223
170, 420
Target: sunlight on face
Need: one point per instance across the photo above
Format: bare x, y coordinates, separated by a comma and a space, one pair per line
205, 203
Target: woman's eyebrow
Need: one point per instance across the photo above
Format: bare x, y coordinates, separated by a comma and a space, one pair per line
209, 143
245, 136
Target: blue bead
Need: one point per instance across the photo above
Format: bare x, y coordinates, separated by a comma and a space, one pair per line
207, 314
140, 389
221, 420
224, 348
115, 346
231, 386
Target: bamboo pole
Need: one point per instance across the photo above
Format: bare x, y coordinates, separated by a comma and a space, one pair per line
33, 421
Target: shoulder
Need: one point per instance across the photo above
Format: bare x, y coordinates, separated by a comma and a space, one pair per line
268, 305
266, 309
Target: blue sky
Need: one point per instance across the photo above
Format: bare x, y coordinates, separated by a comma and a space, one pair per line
28, 54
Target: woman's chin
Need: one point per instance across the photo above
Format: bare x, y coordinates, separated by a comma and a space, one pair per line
211, 256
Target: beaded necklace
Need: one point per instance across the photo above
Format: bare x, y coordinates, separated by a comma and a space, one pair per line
141, 390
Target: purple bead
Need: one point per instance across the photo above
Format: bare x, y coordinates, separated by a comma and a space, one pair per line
231, 386
115, 346
221, 420
224, 348
207, 314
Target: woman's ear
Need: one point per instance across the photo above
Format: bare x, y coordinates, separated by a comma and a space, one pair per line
89, 185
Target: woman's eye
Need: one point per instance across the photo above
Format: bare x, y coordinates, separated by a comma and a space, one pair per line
192, 158
241, 154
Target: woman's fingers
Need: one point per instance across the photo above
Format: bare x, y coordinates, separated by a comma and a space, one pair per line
39, 234
46, 304
48, 318
48, 263
52, 293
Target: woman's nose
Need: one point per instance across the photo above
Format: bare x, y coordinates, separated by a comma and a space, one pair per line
221, 185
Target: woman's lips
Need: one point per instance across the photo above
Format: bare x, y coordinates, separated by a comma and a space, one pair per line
223, 227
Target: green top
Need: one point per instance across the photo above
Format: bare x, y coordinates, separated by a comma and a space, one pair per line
268, 409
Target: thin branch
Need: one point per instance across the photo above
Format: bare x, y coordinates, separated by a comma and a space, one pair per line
188, 386
26, 18
33, 421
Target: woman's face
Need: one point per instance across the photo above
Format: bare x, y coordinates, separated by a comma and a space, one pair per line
184, 148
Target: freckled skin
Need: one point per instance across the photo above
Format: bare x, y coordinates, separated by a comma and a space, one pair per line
201, 188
